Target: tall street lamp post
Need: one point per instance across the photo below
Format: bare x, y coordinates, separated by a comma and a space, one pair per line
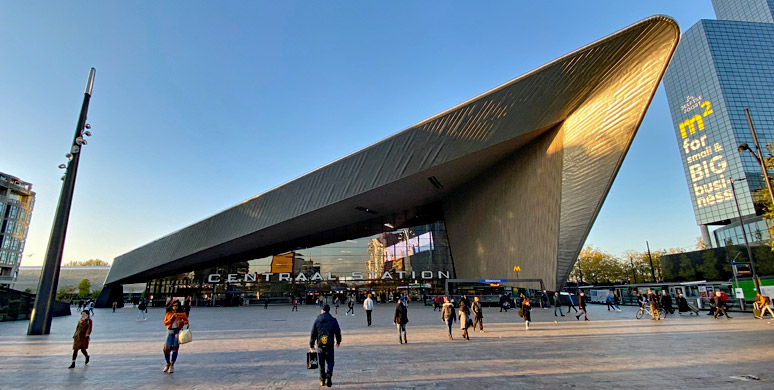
758, 155
43, 310
756, 282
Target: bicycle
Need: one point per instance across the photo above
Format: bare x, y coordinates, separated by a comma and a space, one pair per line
646, 309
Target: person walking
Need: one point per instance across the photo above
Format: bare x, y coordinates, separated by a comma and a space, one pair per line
187, 307
115, 304
81, 337
436, 303
478, 315
666, 302
526, 312
558, 304
654, 302
336, 304
401, 319
295, 304
350, 306
368, 306
91, 308
609, 302
141, 310
763, 304
174, 319
324, 330
582, 306
616, 301
265, 303
720, 305
570, 304
464, 318
447, 315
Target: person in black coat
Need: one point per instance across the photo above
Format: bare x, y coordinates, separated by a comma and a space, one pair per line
666, 302
582, 306
401, 319
324, 330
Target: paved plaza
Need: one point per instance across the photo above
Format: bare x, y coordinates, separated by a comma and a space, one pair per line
249, 347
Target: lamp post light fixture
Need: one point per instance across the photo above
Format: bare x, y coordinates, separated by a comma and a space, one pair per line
756, 282
43, 309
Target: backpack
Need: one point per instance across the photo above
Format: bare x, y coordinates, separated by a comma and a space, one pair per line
141, 306
724, 297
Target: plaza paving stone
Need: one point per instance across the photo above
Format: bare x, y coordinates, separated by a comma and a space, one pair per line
249, 347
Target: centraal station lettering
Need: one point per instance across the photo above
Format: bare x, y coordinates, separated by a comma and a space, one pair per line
317, 277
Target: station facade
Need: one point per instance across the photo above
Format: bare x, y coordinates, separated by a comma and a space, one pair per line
505, 185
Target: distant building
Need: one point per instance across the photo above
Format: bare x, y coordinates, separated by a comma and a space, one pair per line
16, 203
720, 68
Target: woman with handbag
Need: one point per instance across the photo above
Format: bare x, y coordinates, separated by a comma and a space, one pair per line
81, 337
174, 320
465, 320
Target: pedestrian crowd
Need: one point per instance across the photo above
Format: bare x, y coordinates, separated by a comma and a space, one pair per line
326, 332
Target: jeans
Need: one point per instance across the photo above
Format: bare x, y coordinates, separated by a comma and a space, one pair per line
401, 332
172, 340
557, 307
449, 322
325, 356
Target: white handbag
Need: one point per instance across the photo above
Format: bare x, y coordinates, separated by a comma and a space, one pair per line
185, 335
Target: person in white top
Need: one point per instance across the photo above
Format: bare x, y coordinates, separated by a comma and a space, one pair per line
368, 306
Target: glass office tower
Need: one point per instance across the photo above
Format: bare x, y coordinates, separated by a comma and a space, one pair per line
720, 68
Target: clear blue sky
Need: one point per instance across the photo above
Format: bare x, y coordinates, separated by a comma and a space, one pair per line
199, 105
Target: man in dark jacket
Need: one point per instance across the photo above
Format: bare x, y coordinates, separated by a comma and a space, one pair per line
324, 330
401, 319
478, 315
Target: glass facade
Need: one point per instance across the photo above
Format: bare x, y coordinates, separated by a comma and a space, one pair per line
414, 261
16, 203
755, 230
720, 68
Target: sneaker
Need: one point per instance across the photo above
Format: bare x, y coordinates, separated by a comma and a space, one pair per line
171, 368
72, 365
586, 319
328, 381
87, 359
577, 317
166, 367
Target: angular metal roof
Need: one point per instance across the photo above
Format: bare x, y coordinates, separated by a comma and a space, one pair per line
598, 94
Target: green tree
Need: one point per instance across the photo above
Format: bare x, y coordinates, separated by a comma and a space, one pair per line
65, 293
762, 198
87, 263
709, 266
84, 287
598, 267
686, 268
